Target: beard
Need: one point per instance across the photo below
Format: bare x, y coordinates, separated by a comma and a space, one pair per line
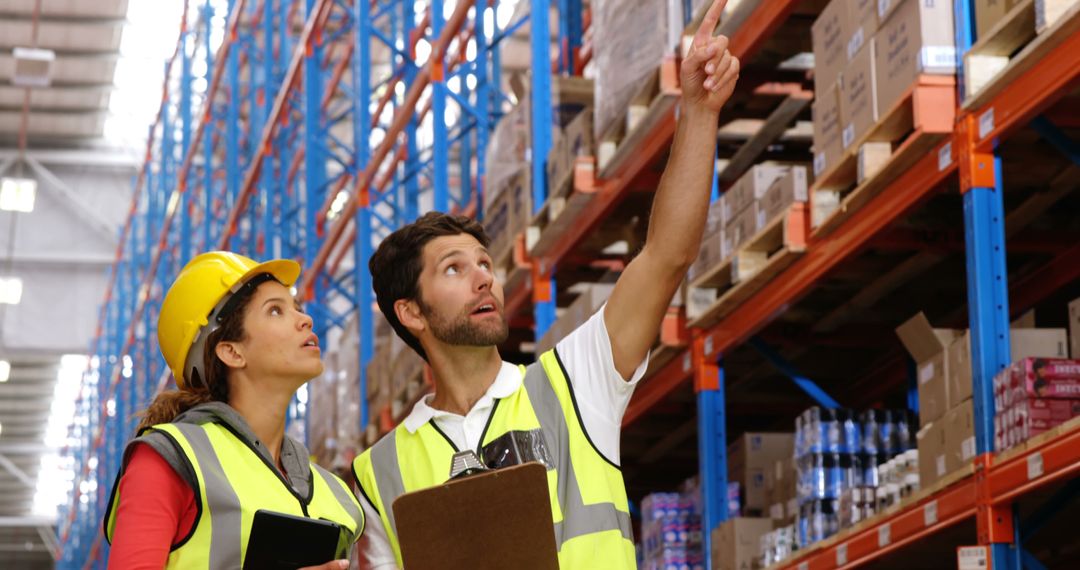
461, 330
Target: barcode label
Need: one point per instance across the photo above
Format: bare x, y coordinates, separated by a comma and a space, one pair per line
986, 123
804, 566
944, 157
841, 555
967, 448
882, 7
937, 58
687, 362
926, 373
819, 163
848, 135
930, 513
972, 558
884, 533
708, 345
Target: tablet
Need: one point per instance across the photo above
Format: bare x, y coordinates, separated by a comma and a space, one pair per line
284, 542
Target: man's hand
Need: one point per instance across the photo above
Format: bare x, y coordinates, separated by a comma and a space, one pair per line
709, 71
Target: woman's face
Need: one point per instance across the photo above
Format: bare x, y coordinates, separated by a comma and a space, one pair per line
279, 342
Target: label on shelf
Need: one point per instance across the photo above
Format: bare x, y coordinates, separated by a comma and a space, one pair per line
929, 514
1035, 465
972, 557
944, 157
687, 362
967, 448
884, 535
941, 466
841, 555
804, 565
819, 163
708, 345
986, 123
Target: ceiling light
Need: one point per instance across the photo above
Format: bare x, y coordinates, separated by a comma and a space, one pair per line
17, 194
5, 370
10, 290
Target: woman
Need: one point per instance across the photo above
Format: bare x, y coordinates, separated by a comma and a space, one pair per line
212, 453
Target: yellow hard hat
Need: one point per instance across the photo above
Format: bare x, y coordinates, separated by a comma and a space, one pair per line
197, 297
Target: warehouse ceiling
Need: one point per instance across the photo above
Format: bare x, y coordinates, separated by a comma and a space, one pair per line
59, 251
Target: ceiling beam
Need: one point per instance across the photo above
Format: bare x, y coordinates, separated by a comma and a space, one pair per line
104, 157
28, 521
66, 258
105, 227
10, 466
63, 19
16, 448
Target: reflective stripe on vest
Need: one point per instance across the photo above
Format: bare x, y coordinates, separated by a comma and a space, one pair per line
589, 506
233, 482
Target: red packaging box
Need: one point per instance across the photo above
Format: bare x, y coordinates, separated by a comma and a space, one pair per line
1054, 378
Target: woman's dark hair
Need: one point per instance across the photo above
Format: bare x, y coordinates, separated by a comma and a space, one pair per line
397, 263
215, 387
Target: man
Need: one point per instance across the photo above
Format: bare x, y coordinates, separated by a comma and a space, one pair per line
433, 281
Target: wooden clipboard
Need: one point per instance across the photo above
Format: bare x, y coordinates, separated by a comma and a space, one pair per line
500, 519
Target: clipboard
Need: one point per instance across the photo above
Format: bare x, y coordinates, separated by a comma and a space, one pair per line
500, 519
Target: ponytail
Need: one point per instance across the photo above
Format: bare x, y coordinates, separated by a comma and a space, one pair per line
171, 403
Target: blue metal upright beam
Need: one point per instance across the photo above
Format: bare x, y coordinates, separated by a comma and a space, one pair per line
712, 457
542, 124
805, 384
362, 248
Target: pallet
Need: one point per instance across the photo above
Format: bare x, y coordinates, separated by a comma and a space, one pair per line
902, 136
656, 98
718, 291
1023, 37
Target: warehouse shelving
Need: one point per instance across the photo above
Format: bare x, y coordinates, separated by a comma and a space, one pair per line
257, 154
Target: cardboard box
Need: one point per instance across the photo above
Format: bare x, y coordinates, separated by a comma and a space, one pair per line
1047, 343
1052, 378
829, 36
932, 451
592, 297
858, 97
862, 25
959, 436
749, 188
736, 543
750, 457
574, 140
988, 13
918, 38
708, 257
828, 146
1074, 329
743, 227
885, 8
927, 346
784, 192
508, 215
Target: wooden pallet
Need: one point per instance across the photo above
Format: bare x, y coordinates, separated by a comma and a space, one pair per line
655, 99
1027, 33
718, 291
902, 136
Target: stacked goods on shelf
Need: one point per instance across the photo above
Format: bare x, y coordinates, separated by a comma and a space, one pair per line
1032, 396
989, 12
1074, 329
782, 492
736, 543
629, 43
573, 140
592, 297
946, 413
868, 56
748, 210
751, 458
671, 530
836, 451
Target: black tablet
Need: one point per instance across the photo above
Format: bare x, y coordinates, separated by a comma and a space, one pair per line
285, 542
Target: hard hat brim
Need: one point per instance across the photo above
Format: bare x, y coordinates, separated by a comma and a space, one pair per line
286, 271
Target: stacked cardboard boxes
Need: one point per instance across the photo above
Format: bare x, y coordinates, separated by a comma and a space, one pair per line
754, 201
736, 543
752, 459
867, 53
943, 364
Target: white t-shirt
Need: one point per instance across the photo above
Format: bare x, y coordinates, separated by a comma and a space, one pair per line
602, 396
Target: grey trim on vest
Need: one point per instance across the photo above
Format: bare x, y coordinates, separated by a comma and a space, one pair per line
294, 456
168, 451
578, 518
384, 463
343, 497
225, 509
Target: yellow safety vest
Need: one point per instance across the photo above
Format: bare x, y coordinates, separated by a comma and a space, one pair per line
588, 496
233, 482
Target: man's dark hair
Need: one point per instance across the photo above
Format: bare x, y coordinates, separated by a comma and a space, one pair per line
397, 263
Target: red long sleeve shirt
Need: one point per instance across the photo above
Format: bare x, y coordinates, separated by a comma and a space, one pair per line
156, 510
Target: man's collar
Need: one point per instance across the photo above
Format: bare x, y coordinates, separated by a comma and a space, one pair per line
506, 383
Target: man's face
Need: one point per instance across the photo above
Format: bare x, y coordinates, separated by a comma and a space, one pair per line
460, 298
